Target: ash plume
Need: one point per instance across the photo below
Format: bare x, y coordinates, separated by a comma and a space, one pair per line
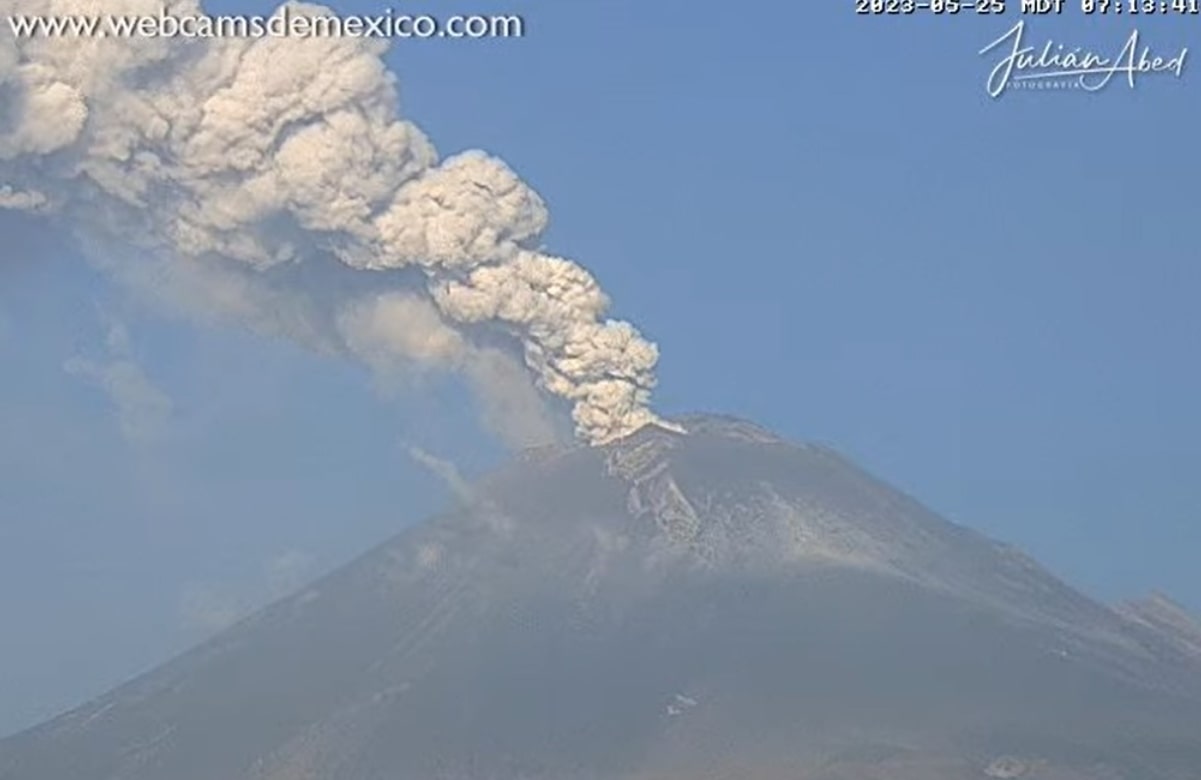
143, 410
223, 167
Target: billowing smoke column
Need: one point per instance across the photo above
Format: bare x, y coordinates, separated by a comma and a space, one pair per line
227, 160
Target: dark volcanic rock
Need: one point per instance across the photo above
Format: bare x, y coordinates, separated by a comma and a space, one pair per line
719, 604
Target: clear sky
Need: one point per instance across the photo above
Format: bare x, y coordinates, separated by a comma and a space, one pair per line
821, 218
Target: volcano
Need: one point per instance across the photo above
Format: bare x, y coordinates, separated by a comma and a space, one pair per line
671, 606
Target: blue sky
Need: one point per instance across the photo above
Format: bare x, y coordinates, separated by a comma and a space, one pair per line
822, 219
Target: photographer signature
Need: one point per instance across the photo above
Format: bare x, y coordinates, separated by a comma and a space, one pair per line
1085, 69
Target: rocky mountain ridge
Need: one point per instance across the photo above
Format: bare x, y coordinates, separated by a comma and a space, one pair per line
714, 604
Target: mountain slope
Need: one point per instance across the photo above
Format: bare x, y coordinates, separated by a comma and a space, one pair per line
720, 604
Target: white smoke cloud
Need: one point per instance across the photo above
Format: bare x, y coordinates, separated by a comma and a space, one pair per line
209, 608
232, 162
219, 292
143, 410
396, 332
444, 470
15, 200
287, 571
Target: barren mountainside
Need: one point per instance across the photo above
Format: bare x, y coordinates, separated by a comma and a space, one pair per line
713, 604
